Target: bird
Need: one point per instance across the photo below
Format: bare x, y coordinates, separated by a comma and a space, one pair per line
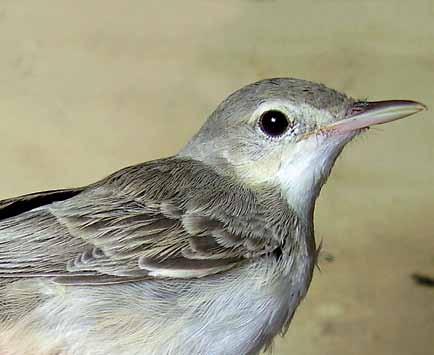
206, 252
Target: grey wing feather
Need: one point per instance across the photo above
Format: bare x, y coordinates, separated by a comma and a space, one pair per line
145, 221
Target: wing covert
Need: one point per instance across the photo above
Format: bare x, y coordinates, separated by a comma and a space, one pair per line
148, 220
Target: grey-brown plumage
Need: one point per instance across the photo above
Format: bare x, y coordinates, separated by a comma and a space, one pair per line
206, 252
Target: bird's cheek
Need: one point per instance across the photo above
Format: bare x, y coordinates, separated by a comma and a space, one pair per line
259, 170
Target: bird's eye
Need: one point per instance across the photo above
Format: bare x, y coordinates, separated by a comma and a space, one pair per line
273, 123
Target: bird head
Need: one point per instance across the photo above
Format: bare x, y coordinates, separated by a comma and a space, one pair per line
286, 134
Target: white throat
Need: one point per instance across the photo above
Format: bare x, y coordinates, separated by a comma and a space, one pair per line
305, 169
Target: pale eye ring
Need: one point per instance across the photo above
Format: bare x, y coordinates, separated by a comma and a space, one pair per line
274, 123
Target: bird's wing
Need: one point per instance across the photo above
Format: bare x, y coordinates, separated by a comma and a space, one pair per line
143, 222
18, 205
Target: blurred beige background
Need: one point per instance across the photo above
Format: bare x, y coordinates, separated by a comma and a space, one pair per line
87, 87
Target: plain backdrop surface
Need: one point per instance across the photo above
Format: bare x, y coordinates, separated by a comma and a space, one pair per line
88, 87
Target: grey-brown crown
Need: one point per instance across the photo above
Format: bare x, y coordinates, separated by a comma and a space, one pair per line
296, 91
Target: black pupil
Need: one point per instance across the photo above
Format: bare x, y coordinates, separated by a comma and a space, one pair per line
274, 123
